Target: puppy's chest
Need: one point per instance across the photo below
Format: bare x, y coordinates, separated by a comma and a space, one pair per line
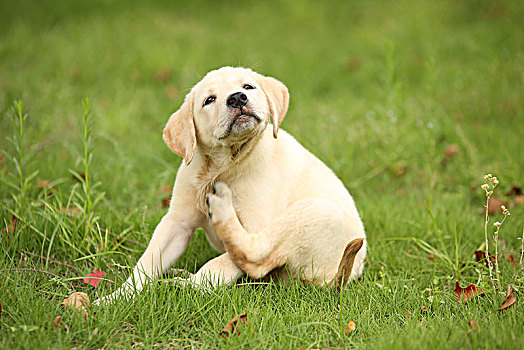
252, 213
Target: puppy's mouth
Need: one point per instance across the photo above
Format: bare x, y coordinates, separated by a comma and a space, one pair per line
243, 121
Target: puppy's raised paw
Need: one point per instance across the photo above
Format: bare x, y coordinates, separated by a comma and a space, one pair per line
219, 204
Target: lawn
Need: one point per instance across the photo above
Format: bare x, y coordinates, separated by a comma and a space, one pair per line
409, 102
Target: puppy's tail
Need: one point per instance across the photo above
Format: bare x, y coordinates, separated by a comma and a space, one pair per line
346, 264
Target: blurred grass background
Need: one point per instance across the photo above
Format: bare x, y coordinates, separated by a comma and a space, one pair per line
381, 91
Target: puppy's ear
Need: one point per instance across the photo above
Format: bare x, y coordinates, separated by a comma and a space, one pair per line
179, 133
277, 97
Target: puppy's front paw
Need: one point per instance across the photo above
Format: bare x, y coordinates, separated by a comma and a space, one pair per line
219, 204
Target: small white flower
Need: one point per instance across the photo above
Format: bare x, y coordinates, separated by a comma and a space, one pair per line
485, 187
497, 224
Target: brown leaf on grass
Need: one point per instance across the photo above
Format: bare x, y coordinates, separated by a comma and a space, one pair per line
79, 301
166, 201
494, 205
464, 294
519, 200
509, 301
350, 327
451, 150
232, 326
514, 191
480, 255
449, 153
94, 281
57, 323
43, 183
408, 314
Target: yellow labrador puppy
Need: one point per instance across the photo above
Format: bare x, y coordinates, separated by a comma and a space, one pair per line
265, 202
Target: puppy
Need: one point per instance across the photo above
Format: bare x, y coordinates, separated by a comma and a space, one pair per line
265, 202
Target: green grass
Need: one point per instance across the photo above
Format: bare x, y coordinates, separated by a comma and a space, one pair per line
379, 91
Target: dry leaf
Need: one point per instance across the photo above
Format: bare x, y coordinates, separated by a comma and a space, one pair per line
231, 326
464, 294
94, 281
408, 314
510, 299
519, 200
43, 183
451, 150
166, 201
494, 205
350, 327
79, 301
480, 255
515, 190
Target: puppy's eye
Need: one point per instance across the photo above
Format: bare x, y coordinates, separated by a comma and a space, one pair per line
248, 87
209, 100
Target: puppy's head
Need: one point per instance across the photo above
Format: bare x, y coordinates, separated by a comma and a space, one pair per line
228, 106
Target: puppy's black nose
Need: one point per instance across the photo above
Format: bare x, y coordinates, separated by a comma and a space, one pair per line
237, 100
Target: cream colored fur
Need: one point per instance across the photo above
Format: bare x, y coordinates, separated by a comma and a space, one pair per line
263, 200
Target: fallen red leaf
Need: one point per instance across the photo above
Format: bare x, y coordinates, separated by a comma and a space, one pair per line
94, 281
464, 294
231, 326
350, 327
510, 299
